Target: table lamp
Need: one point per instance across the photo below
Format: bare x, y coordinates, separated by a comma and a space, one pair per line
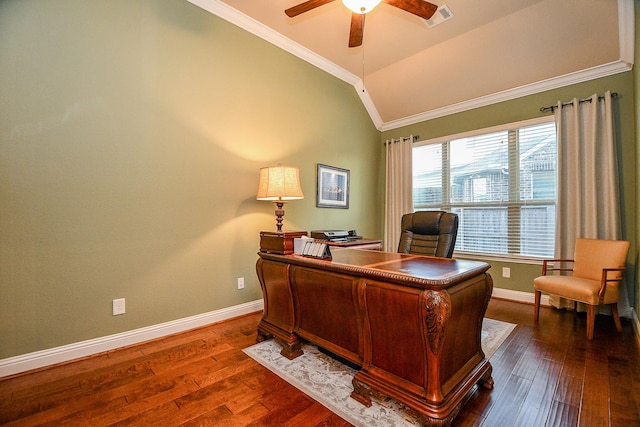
279, 184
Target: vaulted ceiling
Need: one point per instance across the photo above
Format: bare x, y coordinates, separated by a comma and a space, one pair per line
489, 51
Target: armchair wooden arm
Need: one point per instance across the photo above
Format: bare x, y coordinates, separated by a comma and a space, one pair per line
605, 280
546, 268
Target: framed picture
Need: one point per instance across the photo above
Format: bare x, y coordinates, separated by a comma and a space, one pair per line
333, 187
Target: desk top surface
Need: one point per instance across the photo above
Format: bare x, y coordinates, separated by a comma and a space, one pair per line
413, 270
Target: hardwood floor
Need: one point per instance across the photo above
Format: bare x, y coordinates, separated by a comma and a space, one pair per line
545, 375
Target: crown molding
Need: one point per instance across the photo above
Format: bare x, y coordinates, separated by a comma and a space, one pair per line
553, 83
626, 20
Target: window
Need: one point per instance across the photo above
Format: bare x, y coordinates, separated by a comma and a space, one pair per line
501, 183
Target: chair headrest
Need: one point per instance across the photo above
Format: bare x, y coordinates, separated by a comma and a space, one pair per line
423, 222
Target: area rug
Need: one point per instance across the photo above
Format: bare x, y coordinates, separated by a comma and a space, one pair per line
329, 382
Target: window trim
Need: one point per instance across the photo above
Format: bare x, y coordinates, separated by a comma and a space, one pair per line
476, 132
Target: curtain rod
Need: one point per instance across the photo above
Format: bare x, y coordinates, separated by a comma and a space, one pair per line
415, 139
552, 108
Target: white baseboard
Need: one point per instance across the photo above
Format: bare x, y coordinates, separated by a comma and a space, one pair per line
39, 359
528, 297
52, 356
519, 296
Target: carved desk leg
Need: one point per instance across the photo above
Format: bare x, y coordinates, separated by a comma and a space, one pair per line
290, 349
438, 422
291, 345
487, 380
361, 392
262, 335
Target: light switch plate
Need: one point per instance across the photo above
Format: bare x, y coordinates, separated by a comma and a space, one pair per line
118, 306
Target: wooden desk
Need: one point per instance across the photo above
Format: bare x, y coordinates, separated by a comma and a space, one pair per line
412, 323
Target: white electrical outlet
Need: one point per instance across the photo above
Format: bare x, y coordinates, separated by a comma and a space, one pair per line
118, 306
240, 282
506, 272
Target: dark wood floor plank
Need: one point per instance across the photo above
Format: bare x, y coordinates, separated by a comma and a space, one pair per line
595, 390
624, 411
284, 405
70, 412
569, 389
221, 416
547, 374
503, 363
510, 400
537, 404
313, 415
163, 415
528, 365
562, 415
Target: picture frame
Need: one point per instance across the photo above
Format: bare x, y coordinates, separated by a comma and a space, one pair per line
332, 190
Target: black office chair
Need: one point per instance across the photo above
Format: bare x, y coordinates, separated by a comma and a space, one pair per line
429, 233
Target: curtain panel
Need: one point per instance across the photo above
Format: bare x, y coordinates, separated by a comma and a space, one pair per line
588, 190
398, 189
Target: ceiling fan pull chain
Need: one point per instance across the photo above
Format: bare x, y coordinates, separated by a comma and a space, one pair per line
363, 68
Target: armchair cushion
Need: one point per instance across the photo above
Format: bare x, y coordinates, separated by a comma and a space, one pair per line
576, 289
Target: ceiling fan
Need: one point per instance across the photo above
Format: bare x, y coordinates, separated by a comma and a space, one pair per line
421, 8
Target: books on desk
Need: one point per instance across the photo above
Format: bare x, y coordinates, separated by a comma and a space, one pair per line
312, 248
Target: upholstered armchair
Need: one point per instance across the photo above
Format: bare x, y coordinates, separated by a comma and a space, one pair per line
429, 233
592, 277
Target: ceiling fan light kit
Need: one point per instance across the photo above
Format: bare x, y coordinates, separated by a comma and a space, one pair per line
361, 6
421, 8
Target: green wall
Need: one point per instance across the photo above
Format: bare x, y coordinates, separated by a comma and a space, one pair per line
528, 107
131, 138
636, 119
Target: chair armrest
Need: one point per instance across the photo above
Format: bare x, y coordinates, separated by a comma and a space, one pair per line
606, 280
549, 265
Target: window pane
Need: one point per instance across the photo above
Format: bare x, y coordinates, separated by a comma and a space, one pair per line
538, 230
538, 156
480, 168
427, 175
482, 230
538, 183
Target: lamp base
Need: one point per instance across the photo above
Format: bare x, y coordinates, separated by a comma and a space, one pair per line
279, 242
279, 214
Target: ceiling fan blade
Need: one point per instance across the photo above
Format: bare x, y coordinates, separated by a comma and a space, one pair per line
357, 29
422, 8
305, 7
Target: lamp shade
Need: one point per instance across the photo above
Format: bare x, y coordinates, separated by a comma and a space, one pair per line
361, 6
279, 183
